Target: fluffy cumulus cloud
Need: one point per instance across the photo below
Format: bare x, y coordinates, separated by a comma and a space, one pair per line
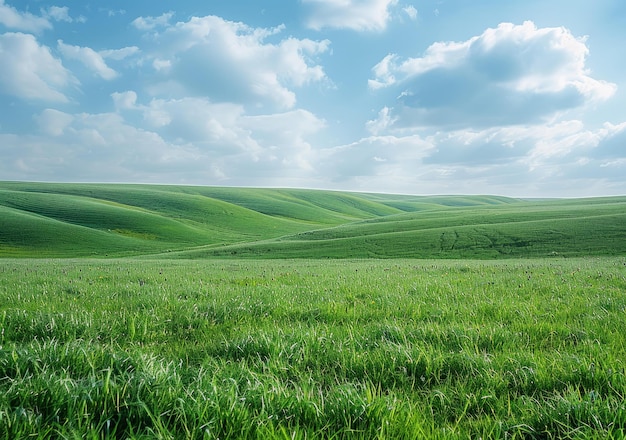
493, 110
188, 140
101, 147
358, 15
285, 137
512, 74
53, 122
564, 158
11, 18
230, 61
214, 127
30, 71
236, 143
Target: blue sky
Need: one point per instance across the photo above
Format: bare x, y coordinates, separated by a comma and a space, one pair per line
525, 99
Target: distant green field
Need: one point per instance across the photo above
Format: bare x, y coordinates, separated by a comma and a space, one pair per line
108, 220
556, 228
176, 312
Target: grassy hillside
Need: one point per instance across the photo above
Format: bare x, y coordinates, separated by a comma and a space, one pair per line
51, 220
123, 221
73, 220
538, 229
318, 207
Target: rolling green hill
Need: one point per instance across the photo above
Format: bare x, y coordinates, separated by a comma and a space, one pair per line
78, 220
525, 229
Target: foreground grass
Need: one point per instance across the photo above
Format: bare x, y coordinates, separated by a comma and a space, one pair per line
313, 349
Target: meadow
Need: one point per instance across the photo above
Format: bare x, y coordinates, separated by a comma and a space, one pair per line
174, 312
295, 349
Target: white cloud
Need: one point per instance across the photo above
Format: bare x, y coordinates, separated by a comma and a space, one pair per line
384, 72
574, 141
161, 65
53, 122
381, 123
507, 75
410, 11
30, 71
529, 147
561, 159
150, 23
367, 163
89, 57
120, 54
196, 141
189, 140
209, 56
214, 126
61, 14
100, 147
358, 15
223, 129
22, 21
284, 138
613, 143
125, 100
496, 145
112, 12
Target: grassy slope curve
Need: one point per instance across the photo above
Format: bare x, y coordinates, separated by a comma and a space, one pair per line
539, 229
78, 220
55, 220
73, 220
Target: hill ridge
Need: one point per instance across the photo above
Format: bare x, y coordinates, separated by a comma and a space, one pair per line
120, 220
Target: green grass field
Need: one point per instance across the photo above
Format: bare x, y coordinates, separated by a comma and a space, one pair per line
96, 220
337, 349
171, 312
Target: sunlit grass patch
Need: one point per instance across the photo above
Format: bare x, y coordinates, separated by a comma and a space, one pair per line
312, 349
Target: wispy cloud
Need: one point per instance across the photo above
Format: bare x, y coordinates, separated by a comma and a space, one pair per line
149, 23
89, 57
358, 15
58, 13
120, 54
410, 11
